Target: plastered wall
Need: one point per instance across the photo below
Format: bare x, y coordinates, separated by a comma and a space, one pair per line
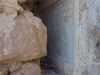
59, 17
73, 35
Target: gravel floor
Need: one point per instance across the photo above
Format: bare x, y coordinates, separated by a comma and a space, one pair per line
48, 69
48, 72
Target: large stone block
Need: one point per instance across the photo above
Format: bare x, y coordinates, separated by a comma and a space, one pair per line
25, 40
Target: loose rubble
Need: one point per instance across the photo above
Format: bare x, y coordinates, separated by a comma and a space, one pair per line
47, 68
28, 69
49, 72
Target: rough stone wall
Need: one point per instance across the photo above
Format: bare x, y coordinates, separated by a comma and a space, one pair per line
89, 37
